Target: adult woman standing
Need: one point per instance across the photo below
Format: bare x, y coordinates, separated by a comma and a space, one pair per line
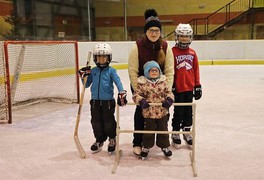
150, 47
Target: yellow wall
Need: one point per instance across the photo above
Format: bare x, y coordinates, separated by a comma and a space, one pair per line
164, 7
235, 32
175, 10
4, 27
117, 33
110, 34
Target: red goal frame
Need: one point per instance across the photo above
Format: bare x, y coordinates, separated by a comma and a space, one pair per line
6, 57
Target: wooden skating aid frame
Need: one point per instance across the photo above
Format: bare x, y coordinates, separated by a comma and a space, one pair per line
192, 132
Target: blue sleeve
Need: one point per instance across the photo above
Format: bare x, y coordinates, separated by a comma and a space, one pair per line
116, 80
90, 79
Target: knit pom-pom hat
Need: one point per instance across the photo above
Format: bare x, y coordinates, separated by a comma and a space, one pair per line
152, 20
148, 66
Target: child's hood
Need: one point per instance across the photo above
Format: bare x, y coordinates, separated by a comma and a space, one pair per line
144, 80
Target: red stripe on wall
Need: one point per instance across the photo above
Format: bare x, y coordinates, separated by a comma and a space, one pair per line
5, 8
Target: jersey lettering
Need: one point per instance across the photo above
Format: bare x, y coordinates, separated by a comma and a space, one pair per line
184, 61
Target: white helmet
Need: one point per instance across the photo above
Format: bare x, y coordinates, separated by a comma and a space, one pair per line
186, 30
102, 49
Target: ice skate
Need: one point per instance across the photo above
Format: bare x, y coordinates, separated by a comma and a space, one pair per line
176, 141
96, 147
111, 146
188, 138
167, 152
137, 150
144, 153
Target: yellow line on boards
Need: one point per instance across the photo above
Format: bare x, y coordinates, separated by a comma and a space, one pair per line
69, 71
119, 66
209, 62
39, 75
231, 62
46, 74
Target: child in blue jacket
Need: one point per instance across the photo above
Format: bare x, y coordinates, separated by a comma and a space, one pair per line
101, 79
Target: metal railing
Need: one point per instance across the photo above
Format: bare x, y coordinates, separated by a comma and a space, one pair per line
225, 14
204, 26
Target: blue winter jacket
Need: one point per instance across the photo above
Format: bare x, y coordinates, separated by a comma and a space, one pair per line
102, 83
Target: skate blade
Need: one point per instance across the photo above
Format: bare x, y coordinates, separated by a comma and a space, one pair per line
111, 153
167, 157
143, 158
176, 146
93, 152
188, 146
137, 156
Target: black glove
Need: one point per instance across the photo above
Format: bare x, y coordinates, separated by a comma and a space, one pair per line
85, 71
167, 103
121, 98
144, 103
173, 89
197, 92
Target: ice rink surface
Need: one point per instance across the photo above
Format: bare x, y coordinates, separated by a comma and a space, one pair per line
39, 144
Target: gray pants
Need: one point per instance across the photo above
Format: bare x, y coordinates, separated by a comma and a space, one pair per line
103, 119
162, 140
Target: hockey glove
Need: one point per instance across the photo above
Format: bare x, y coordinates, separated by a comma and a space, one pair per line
85, 71
121, 98
167, 103
173, 89
144, 103
197, 92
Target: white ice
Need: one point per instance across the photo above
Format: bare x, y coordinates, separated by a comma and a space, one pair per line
230, 130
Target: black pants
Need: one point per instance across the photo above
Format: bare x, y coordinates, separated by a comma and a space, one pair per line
103, 119
162, 140
182, 116
138, 125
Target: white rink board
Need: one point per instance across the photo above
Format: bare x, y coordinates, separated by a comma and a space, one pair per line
206, 50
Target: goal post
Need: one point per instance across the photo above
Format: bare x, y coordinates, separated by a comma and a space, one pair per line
42, 71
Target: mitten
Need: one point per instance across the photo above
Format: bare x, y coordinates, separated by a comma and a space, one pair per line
197, 92
144, 103
85, 71
121, 98
167, 103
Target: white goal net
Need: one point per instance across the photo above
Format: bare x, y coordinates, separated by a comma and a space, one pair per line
42, 71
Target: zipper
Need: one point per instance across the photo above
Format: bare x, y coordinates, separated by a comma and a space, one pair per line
99, 84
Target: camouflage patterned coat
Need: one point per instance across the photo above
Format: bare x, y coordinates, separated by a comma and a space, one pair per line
153, 92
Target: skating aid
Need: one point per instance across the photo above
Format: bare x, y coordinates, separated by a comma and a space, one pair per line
76, 137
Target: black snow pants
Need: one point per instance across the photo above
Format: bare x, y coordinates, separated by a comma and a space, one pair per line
162, 140
182, 116
103, 119
138, 125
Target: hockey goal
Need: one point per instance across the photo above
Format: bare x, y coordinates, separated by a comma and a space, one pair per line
41, 71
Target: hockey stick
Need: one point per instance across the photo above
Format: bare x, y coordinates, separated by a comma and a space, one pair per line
76, 137
17, 72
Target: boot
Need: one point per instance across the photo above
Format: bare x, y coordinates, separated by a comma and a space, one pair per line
188, 137
96, 147
137, 150
144, 153
176, 140
167, 152
111, 145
